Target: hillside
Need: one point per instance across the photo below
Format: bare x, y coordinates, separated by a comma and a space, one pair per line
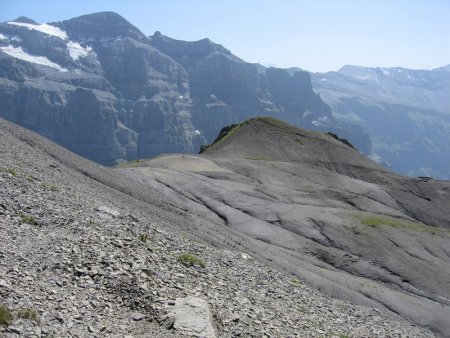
313, 206
88, 251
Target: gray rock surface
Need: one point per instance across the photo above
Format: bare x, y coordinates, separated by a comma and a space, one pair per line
87, 275
315, 207
225, 90
191, 316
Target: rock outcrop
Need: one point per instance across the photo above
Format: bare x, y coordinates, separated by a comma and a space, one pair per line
226, 90
98, 86
95, 85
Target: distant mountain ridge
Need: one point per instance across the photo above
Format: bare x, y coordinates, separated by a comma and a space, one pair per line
406, 113
98, 86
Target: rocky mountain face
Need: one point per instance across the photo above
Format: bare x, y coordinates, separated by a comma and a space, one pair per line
94, 85
98, 86
406, 113
226, 90
89, 251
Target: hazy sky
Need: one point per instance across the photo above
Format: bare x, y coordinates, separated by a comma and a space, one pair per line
317, 35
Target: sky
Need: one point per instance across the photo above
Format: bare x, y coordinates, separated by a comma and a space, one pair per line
316, 35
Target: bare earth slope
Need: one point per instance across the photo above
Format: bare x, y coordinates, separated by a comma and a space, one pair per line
313, 206
80, 256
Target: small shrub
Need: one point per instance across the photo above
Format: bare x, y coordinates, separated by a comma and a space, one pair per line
258, 158
12, 171
5, 316
190, 260
296, 281
30, 219
30, 314
51, 187
143, 237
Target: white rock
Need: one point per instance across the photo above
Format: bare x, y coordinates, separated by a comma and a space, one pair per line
109, 211
192, 317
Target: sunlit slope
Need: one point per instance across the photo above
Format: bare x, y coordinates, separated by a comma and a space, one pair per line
311, 204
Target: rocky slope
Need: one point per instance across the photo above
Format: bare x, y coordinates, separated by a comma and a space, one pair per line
406, 113
86, 251
98, 86
315, 207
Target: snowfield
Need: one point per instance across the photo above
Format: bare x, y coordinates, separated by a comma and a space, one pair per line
43, 28
76, 51
19, 53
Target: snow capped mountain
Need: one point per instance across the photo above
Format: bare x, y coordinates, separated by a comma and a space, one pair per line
20, 47
101, 88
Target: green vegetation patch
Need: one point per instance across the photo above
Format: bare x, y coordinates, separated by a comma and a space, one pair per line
134, 163
276, 123
143, 237
30, 219
12, 171
5, 315
30, 314
376, 221
51, 186
296, 282
225, 133
258, 158
190, 260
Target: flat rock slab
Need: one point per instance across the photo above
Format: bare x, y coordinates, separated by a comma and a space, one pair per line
192, 317
108, 211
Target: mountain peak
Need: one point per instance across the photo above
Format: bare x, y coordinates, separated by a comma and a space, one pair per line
102, 25
24, 19
173, 46
103, 17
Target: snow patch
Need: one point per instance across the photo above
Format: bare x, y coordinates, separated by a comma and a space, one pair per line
386, 71
76, 51
3, 37
44, 28
19, 53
